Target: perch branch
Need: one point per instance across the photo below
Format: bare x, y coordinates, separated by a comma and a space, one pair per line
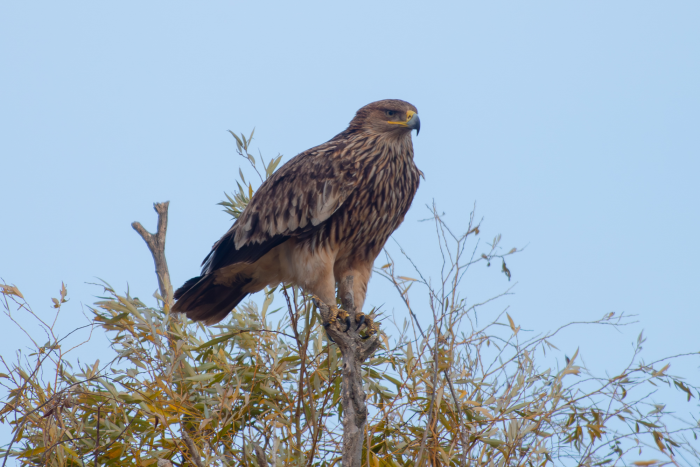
260, 455
194, 452
355, 350
156, 244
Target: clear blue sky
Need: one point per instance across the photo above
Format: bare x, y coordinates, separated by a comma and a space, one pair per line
575, 126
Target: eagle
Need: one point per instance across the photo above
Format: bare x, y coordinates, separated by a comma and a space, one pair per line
321, 217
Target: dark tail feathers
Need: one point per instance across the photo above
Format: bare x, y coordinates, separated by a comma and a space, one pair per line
202, 300
185, 287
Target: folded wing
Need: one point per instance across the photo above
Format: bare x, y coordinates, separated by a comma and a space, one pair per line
300, 196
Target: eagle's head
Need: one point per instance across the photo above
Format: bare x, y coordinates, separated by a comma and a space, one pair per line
389, 116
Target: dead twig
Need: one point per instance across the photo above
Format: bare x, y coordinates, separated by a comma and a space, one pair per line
156, 244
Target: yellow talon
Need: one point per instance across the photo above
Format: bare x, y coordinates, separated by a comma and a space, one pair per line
371, 326
332, 310
340, 313
366, 320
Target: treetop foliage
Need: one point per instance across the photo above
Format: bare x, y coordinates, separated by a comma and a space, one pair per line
263, 387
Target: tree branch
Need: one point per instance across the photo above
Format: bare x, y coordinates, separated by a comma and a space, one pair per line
194, 452
355, 350
260, 455
156, 244
436, 366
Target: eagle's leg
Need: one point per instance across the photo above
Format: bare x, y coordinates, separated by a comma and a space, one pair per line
360, 274
322, 287
361, 277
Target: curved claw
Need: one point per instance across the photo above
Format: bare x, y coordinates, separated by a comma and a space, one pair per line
361, 321
325, 326
347, 322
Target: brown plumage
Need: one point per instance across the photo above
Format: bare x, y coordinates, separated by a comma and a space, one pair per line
324, 215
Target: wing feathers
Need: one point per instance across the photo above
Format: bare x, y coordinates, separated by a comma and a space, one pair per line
224, 252
302, 194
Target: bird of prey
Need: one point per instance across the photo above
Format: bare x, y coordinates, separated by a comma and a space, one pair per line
324, 215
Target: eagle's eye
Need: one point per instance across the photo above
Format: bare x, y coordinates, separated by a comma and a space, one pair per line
390, 113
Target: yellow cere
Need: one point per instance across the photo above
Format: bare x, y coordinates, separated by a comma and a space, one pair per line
409, 116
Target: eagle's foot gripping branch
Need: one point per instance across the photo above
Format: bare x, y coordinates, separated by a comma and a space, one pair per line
366, 320
338, 313
342, 315
331, 314
370, 326
361, 319
334, 314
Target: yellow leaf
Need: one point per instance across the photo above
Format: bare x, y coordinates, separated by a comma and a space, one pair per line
661, 371
645, 463
10, 290
658, 437
512, 325
571, 370
551, 346
250, 190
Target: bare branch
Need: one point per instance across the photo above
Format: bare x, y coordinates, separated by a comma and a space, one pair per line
354, 350
97, 438
156, 244
436, 358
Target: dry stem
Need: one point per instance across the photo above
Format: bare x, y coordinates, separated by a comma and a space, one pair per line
355, 350
156, 244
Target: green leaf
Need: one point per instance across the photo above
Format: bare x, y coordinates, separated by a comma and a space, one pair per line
216, 340
238, 140
494, 443
517, 407
648, 425
202, 377
396, 382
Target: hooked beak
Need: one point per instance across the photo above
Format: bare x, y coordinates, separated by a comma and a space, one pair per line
412, 121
